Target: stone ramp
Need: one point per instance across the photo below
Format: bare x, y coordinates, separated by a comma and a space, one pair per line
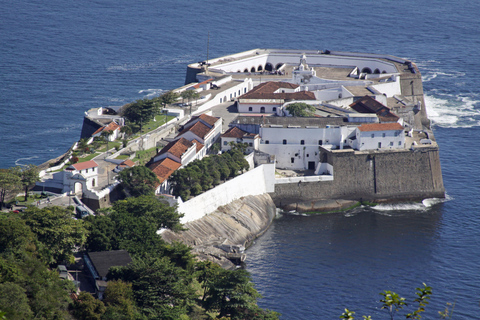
223, 235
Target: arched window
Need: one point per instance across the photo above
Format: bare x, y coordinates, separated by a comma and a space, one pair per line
262, 110
284, 141
268, 66
252, 70
274, 109
367, 70
278, 66
260, 68
246, 70
250, 109
377, 71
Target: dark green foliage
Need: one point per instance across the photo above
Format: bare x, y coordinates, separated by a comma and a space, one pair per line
28, 176
139, 180
201, 175
9, 182
57, 231
141, 111
132, 225
231, 294
29, 289
301, 109
120, 303
167, 98
87, 307
161, 289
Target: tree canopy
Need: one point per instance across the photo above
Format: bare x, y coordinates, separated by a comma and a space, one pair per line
141, 111
201, 175
301, 109
9, 182
139, 180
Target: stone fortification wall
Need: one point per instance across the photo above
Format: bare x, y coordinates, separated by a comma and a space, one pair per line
224, 234
380, 176
254, 182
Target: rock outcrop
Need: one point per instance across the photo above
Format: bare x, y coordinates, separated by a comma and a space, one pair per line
223, 235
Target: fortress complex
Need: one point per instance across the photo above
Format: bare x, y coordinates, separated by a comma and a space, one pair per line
369, 137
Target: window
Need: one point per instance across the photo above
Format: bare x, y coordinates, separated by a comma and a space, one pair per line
383, 134
274, 109
225, 143
320, 142
284, 141
308, 155
262, 110
399, 143
93, 182
267, 142
250, 144
86, 171
391, 143
397, 133
302, 142
292, 160
250, 108
373, 135
379, 145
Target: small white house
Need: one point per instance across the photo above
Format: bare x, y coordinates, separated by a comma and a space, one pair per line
204, 129
112, 128
378, 136
80, 176
237, 135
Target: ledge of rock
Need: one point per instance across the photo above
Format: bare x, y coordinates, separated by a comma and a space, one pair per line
223, 235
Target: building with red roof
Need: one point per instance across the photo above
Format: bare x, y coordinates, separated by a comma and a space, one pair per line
269, 97
112, 128
237, 135
378, 136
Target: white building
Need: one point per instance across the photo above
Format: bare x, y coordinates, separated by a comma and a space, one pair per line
237, 135
80, 177
204, 129
378, 136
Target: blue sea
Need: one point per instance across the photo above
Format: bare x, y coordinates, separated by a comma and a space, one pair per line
60, 58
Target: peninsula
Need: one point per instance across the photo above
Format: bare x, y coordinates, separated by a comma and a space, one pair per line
320, 131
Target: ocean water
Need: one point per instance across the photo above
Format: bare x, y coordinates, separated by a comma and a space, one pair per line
60, 58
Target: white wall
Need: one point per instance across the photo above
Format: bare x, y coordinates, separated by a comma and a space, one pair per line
389, 141
254, 182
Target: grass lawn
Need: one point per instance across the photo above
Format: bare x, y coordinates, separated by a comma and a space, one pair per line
88, 158
123, 157
143, 156
31, 199
111, 145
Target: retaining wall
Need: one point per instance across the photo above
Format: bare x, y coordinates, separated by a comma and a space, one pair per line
379, 176
254, 182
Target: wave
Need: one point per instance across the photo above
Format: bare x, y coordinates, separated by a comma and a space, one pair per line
17, 162
150, 93
453, 111
411, 206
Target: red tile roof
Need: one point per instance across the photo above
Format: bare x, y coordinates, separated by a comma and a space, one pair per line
85, 165
128, 163
201, 83
267, 90
177, 147
199, 129
380, 127
368, 104
209, 120
234, 132
171, 164
164, 169
112, 126
199, 145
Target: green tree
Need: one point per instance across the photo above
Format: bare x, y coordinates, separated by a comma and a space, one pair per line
86, 307
118, 298
28, 176
9, 183
231, 294
301, 109
161, 289
139, 180
56, 229
14, 302
141, 111
168, 97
